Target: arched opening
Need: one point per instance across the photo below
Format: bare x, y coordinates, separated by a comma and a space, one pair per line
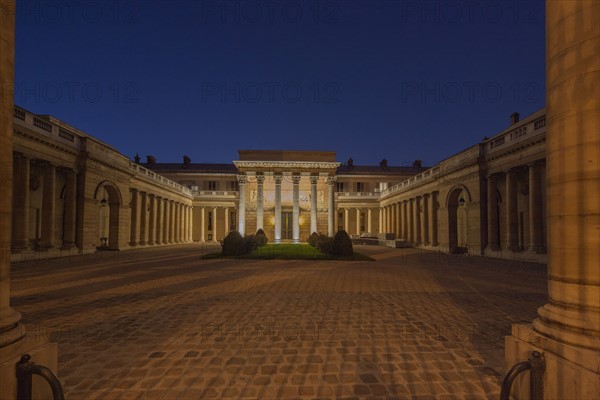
109, 205
458, 226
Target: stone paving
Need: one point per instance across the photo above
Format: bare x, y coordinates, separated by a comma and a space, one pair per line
164, 324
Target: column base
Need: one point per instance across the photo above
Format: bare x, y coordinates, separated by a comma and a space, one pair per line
68, 246
45, 247
492, 247
133, 244
571, 372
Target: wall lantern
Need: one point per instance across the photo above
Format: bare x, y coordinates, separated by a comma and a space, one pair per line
461, 202
103, 202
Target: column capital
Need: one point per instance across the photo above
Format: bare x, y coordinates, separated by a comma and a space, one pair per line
537, 163
296, 179
331, 180
242, 179
313, 179
260, 179
278, 179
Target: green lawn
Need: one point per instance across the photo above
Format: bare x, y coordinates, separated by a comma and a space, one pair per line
290, 251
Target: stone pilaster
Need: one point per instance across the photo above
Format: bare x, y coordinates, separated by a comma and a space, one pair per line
417, 217
434, 219
152, 219
171, 221
159, 220
358, 221
260, 202
166, 219
369, 221
313, 203
202, 224
214, 224
134, 220
226, 221
425, 221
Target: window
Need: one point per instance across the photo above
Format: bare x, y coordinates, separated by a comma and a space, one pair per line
339, 186
340, 221
212, 185
232, 186
232, 221
360, 187
362, 222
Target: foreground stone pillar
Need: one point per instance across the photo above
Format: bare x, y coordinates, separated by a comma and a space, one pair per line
20, 240
380, 220
277, 179
369, 221
331, 207
242, 179
70, 219
313, 203
398, 225
418, 220
214, 224
536, 223
358, 221
260, 202
226, 222
492, 212
13, 341
172, 221
166, 217
48, 206
567, 330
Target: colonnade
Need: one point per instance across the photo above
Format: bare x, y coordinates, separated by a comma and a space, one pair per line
158, 220
510, 193
414, 219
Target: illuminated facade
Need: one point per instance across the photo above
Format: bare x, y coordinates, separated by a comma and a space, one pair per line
73, 194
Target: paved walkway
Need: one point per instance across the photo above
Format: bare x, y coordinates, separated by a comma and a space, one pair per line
164, 324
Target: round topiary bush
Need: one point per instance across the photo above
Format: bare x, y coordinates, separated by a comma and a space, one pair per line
261, 238
312, 239
250, 244
342, 244
325, 244
234, 244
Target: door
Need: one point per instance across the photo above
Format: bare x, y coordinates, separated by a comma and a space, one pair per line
286, 225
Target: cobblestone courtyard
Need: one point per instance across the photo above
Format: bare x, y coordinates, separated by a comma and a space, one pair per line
164, 324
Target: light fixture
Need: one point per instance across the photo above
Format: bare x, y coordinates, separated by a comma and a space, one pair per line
103, 202
461, 202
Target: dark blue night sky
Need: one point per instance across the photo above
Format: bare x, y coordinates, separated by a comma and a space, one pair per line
401, 80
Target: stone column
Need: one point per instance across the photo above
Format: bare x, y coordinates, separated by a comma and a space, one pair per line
536, 223
202, 224
369, 221
260, 200
512, 223
166, 218
152, 220
358, 221
425, 221
492, 211
188, 224
277, 179
159, 220
296, 208
405, 220
331, 207
133, 220
171, 221
434, 219
388, 219
411, 215
226, 221
398, 220
393, 218
346, 219
176, 222
313, 203
12, 330
20, 218
242, 179
48, 206
418, 238
214, 224
143, 218
380, 220
567, 331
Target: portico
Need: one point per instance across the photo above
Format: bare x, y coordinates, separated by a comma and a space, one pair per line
288, 194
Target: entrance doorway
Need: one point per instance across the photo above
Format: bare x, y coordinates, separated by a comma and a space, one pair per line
286, 225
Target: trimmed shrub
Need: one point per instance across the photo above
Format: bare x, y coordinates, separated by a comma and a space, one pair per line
250, 244
261, 238
325, 244
312, 239
234, 244
342, 244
